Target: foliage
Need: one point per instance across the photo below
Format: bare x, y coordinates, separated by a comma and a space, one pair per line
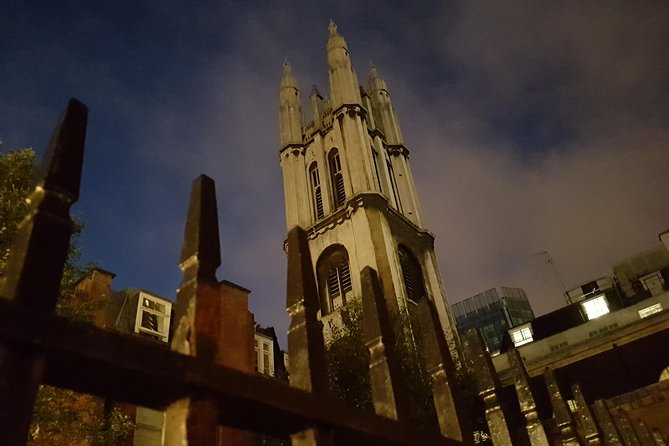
61, 417
348, 371
17, 180
348, 367
347, 361
64, 417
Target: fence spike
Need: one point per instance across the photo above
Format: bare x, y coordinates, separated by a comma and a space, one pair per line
488, 388
43, 237
194, 420
306, 347
610, 433
528, 407
453, 416
586, 422
388, 390
40, 251
561, 413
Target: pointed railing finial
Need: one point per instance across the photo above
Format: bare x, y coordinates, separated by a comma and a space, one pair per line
201, 239
43, 237
65, 153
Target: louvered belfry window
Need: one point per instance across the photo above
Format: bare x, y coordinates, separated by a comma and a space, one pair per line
334, 278
337, 178
316, 191
412, 275
339, 283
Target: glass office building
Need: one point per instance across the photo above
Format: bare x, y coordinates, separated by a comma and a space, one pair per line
493, 312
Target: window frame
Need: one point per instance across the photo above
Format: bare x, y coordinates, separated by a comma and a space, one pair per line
337, 178
162, 316
316, 191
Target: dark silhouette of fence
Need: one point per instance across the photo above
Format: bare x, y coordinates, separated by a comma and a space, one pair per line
38, 347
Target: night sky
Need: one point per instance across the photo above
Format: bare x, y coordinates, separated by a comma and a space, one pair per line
532, 126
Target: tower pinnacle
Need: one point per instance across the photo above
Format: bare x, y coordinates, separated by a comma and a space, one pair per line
290, 107
343, 81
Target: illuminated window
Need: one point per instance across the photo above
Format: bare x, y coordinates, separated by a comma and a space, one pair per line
153, 316
316, 191
645, 312
521, 335
595, 307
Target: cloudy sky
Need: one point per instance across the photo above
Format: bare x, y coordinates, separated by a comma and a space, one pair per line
533, 126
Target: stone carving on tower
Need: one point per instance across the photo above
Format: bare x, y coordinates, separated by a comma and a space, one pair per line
348, 184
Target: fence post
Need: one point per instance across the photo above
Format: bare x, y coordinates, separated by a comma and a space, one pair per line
586, 422
488, 387
610, 433
625, 428
388, 390
194, 420
454, 420
528, 407
306, 348
35, 266
561, 414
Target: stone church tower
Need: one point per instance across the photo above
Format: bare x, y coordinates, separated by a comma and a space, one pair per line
348, 183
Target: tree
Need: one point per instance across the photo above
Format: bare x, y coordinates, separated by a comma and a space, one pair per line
348, 368
61, 416
347, 359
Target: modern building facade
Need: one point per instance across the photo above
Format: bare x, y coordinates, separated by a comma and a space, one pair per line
348, 183
493, 313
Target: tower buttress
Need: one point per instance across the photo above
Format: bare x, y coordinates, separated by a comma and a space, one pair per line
290, 108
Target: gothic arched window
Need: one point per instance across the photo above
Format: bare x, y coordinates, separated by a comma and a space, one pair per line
375, 159
316, 192
337, 178
412, 274
334, 278
393, 185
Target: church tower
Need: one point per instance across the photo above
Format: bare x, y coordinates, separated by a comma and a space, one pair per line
348, 183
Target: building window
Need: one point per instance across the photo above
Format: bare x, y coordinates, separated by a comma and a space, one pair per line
264, 348
337, 178
375, 159
153, 317
412, 275
339, 283
316, 192
595, 307
334, 278
393, 185
645, 312
521, 335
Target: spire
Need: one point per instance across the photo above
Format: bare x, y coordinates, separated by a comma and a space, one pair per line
387, 121
288, 80
290, 108
375, 82
343, 81
335, 40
